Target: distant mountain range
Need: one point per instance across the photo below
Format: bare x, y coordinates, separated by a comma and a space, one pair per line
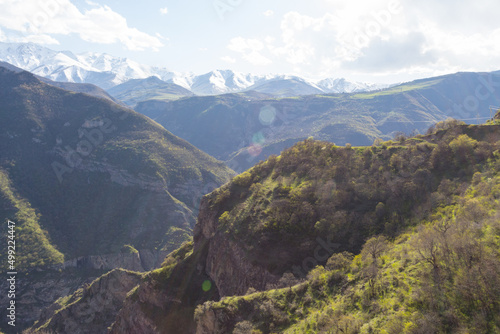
106, 71
243, 131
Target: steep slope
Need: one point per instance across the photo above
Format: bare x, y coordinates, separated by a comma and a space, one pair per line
405, 235
139, 90
82, 176
88, 89
34, 247
96, 305
74, 87
271, 220
440, 274
441, 278
244, 132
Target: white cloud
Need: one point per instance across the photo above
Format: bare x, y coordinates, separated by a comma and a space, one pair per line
229, 59
240, 44
257, 59
39, 39
164, 11
382, 37
160, 36
250, 50
268, 13
97, 25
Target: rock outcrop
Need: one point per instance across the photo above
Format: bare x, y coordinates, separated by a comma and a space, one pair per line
92, 309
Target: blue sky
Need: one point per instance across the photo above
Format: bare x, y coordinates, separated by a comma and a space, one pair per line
366, 40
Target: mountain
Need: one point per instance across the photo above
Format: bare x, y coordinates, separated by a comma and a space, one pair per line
242, 132
341, 85
91, 186
399, 237
106, 71
285, 86
152, 88
101, 70
222, 82
89, 89
226, 81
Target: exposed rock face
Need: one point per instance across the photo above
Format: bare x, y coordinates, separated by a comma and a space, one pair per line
228, 264
91, 310
212, 321
132, 318
208, 323
229, 267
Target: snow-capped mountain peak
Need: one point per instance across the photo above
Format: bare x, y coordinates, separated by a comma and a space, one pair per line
107, 71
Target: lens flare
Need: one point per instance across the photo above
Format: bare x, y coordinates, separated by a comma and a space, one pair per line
267, 115
258, 138
206, 286
255, 150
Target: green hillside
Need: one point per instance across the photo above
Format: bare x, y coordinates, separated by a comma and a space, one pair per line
33, 245
316, 189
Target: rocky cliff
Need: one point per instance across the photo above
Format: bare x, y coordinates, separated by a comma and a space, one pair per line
228, 263
91, 309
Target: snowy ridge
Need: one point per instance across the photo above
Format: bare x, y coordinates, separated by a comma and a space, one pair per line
107, 71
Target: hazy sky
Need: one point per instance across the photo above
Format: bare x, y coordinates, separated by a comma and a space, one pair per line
366, 40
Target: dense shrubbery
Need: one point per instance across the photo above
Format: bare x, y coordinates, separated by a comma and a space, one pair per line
347, 194
442, 276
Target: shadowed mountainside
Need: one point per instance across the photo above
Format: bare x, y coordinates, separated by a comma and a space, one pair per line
90, 181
